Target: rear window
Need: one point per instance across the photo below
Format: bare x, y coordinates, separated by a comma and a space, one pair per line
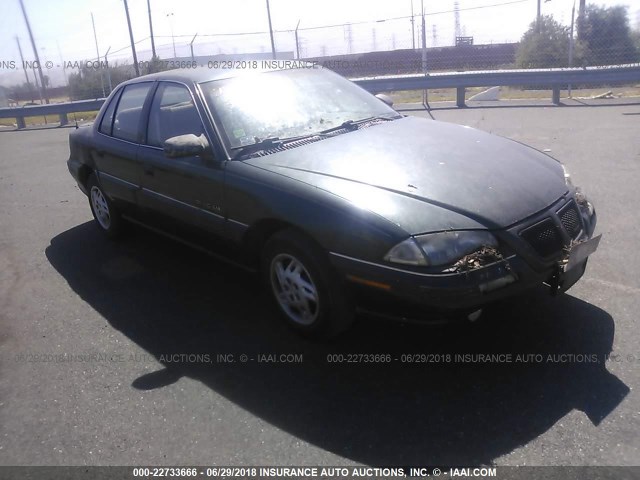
107, 119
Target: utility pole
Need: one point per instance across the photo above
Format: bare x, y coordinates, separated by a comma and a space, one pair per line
153, 43
173, 38
95, 37
413, 28
424, 40
193, 59
106, 62
580, 24
297, 41
349, 38
35, 80
539, 16
24, 67
64, 69
456, 21
273, 45
133, 45
573, 17
43, 92
425, 99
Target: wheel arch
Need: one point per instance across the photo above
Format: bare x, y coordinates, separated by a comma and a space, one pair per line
261, 231
84, 172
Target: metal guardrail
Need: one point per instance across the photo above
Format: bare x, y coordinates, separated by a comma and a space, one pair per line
554, 78
60, 109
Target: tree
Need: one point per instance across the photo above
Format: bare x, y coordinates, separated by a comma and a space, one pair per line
607, 37
546, 49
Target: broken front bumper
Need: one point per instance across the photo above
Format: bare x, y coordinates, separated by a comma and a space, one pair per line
468, 286
572, 267
447, 292
551, 247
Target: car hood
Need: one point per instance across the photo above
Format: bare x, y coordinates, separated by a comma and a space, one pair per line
427, 175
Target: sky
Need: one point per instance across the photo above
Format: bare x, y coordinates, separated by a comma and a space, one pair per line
63, 29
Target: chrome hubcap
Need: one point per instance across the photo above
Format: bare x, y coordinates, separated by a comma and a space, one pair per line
100, 208
294, 289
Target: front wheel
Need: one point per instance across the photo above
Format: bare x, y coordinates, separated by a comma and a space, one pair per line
104, 212
303, 286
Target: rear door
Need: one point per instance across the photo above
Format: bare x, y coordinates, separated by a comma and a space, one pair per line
187, 189
117, 142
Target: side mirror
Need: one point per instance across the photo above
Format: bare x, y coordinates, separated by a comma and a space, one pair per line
187, 145
385, 98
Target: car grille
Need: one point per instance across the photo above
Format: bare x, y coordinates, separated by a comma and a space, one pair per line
549, 238
544, 237
570, 219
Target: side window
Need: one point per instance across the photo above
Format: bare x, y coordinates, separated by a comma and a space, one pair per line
126, 124
172, 113
107, 119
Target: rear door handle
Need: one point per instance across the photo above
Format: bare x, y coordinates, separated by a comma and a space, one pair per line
148, 170
100, 153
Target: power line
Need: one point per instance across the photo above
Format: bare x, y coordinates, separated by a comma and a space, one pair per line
363, 22
409, 16
129, 46
235, 34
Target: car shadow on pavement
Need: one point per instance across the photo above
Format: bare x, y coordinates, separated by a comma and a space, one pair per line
173, 301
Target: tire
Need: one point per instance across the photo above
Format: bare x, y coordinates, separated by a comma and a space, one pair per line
306, 291
105, 213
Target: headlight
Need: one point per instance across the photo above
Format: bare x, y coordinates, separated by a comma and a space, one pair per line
581, 198
437, 249
407, 253
567, 176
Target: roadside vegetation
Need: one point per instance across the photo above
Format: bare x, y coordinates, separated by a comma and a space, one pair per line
602, 37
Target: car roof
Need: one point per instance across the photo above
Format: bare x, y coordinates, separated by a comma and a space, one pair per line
204, 74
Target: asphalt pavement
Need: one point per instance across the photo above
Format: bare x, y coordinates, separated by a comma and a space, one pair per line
146, 352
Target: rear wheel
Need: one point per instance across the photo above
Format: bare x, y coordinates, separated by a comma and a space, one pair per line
104, 212
303, 286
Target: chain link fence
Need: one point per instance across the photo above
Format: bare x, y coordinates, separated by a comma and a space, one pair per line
598, 36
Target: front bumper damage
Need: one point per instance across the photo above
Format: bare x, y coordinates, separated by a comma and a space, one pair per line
482, 277
573, 265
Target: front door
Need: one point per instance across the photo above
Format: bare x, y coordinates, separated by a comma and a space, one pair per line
187, 189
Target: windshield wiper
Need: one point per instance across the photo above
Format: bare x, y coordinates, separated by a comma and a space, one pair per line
352, 125
268, 143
